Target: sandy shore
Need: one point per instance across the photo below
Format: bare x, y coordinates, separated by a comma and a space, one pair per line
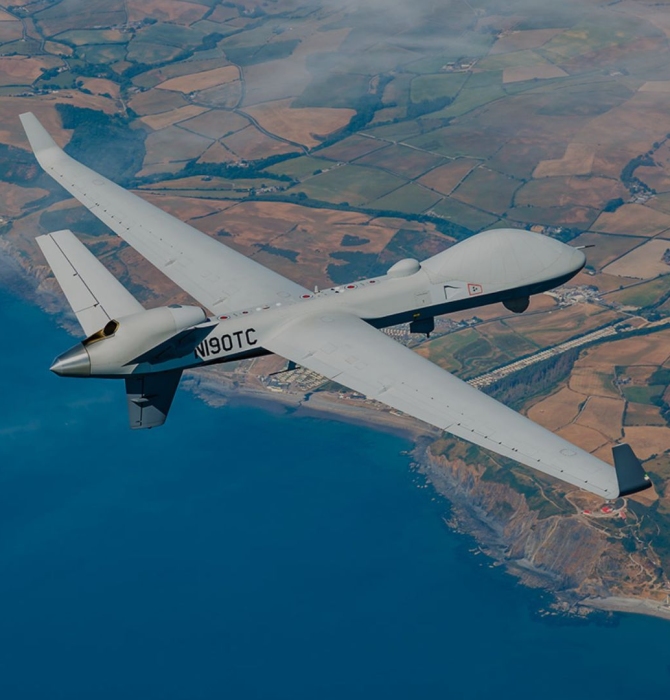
321, 404
640, 606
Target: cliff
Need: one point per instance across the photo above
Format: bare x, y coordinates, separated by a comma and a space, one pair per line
574, 556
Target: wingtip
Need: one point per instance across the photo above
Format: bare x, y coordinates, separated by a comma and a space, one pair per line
38, 136
630, 473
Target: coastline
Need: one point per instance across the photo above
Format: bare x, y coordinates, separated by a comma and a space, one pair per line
218, 390
639, 606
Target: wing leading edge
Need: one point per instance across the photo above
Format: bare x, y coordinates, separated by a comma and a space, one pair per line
218, 277
349, 351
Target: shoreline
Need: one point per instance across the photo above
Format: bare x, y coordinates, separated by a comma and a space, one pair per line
214, 391
621, 604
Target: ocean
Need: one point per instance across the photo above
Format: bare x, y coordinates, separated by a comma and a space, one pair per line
235, 553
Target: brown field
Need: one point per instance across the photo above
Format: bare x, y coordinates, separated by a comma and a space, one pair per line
589, 381
99, 86
627, 130
651, 349
250, 144
604, 415
151, 78
606, 248
173, 144
201, 81
218, 153
487, 190
605, 283
22, 70
644, 262
14, 198
156, 101
216, 123
165, 10
593, 192
58, 49
557, 410
640, 374
10, 31
447, 177
312, 233
633, 220
578, 160
655, 177
11, 131
515, 74
302, 126
160, 121
401, 160
648, 440
261, 222
562, 324
656, 86
185, 208
586, 438
641, 414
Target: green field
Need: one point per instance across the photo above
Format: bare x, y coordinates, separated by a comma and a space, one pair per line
402, 161
642, 295
350, 183
643, 394
487, 190
300, 168
429, 87
102, 53
81, 37
171, 34
464, 215
465, 352
590, 36
412, 199
146, 52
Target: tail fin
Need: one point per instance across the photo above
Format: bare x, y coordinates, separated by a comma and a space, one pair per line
94, 294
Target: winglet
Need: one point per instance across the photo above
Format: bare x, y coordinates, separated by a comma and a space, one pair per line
629, 472
38, 136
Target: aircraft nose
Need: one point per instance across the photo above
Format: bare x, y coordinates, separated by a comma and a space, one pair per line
73, 363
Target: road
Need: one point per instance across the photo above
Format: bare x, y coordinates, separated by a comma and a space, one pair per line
489, 378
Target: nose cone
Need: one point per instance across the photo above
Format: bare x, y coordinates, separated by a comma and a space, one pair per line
73, 363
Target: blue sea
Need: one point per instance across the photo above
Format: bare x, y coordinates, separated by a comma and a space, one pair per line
239, 554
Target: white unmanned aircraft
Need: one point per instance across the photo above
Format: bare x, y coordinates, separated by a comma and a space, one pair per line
333, 332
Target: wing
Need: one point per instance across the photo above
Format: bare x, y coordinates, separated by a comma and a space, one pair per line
220, 278
349, 351
94, 294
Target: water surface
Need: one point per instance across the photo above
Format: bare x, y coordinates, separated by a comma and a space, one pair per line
235, 553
